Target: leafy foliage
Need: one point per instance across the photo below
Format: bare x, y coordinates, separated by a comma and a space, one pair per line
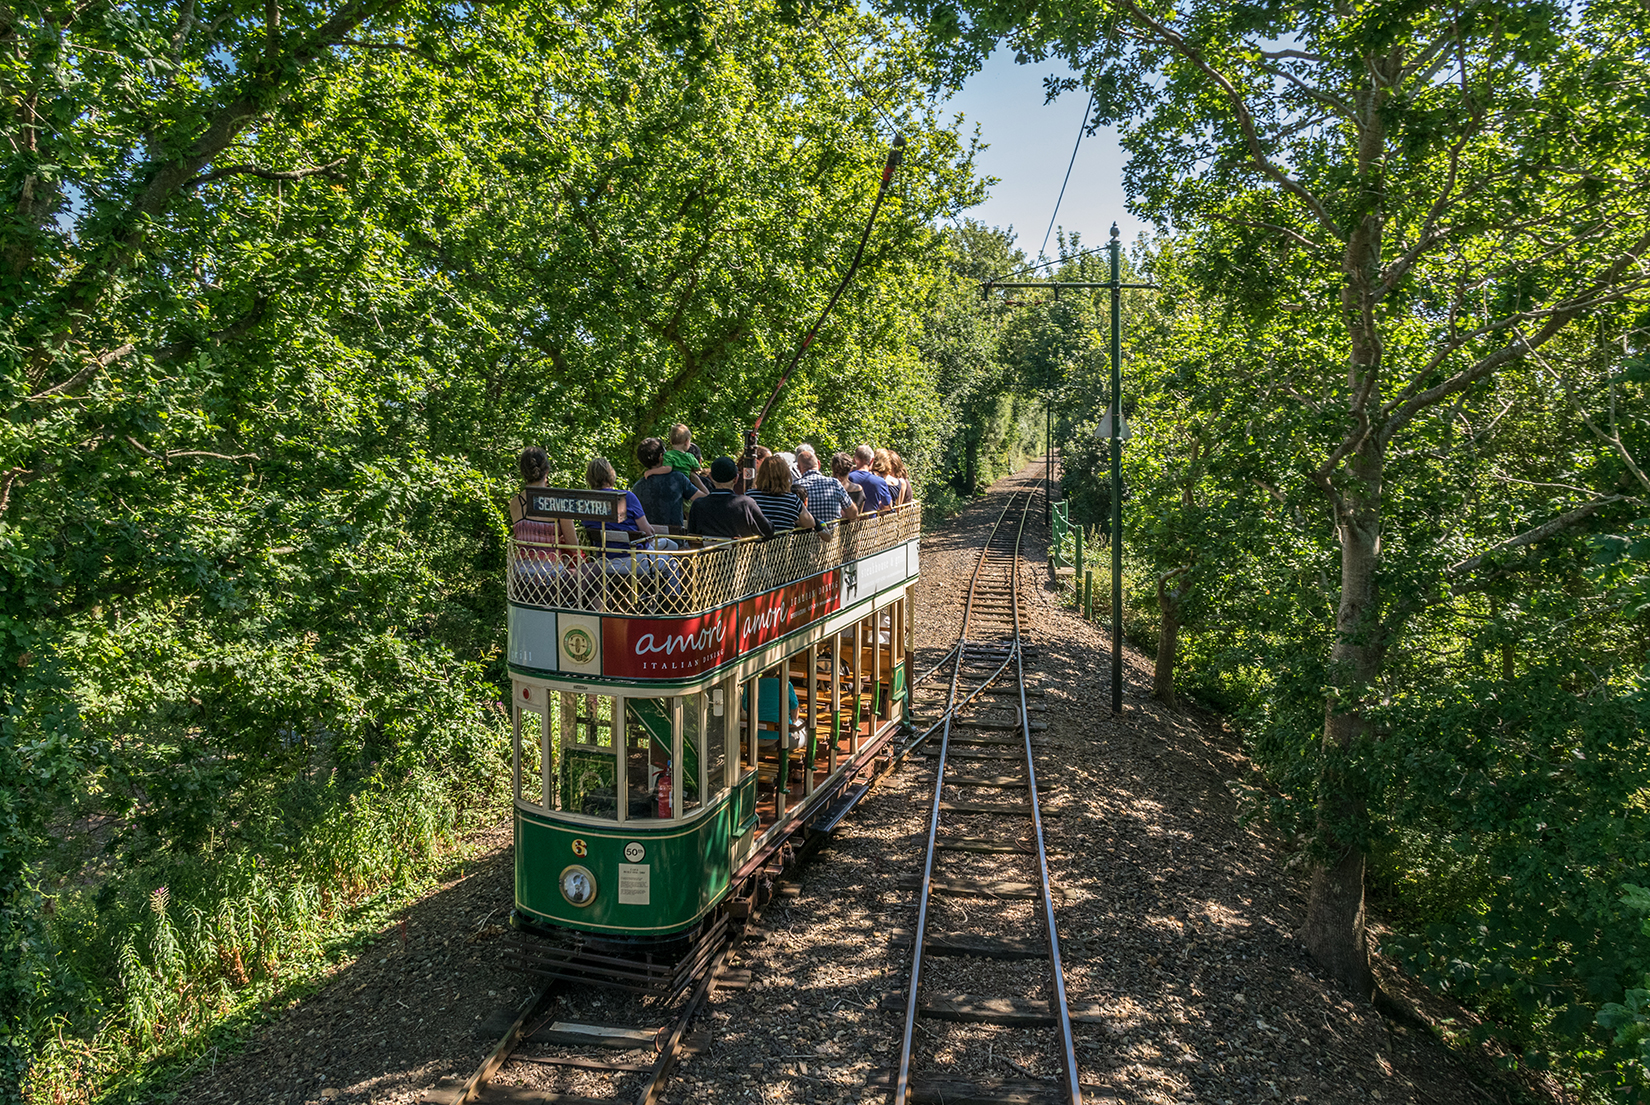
286, 290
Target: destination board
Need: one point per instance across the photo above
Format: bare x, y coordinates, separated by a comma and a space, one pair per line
581, 506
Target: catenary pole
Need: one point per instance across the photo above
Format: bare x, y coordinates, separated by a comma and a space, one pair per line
1048, 459
1115, 285
1116, 473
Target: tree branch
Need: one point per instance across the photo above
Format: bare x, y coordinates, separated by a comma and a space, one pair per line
326, 170
1612, 439
1604, 289
265, 84
7, 479
1321, 97
1245, 120
97, 365
163, 457
1539, 533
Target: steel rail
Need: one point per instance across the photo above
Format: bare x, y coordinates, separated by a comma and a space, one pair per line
902, 1084
670, 1049
1067, 1043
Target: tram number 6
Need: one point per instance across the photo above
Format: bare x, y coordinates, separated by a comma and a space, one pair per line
579, 848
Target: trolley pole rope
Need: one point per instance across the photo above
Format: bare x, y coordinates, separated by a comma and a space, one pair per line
889, 166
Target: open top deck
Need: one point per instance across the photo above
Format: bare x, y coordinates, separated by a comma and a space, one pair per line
677, 616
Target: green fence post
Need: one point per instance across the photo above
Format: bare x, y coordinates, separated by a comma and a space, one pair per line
1088, 595
1077, 579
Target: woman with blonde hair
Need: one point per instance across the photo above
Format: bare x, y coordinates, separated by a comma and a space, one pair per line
882, 463
780, 505
896, 468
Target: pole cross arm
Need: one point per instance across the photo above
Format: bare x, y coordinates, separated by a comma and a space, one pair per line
1057, 285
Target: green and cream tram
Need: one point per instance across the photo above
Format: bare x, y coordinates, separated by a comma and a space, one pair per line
678, 716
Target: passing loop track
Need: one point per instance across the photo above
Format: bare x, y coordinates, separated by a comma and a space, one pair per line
989, 659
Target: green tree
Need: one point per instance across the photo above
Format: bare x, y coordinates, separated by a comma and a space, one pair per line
1455, 189
286, 290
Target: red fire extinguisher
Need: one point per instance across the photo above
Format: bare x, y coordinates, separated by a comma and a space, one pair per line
664, 791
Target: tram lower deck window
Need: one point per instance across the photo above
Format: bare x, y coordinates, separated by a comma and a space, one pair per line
588, 754
588, 774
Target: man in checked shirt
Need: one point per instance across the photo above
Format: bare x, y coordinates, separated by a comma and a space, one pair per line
827, 501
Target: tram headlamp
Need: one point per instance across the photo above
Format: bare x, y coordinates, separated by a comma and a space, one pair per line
578, 885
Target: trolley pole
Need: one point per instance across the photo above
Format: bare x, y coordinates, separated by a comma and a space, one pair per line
1116, 473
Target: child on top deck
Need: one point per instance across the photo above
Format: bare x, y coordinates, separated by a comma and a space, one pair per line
682, 455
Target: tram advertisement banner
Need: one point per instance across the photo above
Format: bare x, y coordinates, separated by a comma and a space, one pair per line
681, 648
772, 614
668, 648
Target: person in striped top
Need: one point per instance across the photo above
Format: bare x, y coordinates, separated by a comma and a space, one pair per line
780, 505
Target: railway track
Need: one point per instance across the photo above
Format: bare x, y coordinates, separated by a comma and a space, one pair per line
555, 1035
983, 747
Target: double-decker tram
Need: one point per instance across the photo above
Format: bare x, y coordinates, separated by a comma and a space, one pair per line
680, 716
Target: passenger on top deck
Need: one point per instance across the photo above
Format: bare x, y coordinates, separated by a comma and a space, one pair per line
683, 455
898, 464
842, 468
723, 513
662, 488
599, 476
826, 499
780, 505
877, 495
533, 534
882, 463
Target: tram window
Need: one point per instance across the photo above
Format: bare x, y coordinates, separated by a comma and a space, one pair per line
593, 720
529, 731
648, 759
588, 770
693, 757
716, 741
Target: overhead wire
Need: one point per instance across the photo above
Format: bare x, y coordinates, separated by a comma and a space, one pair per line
1082, 129
1057, 261
853, 78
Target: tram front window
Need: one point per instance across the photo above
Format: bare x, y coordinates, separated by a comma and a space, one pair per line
693, 706
529, 764
588, 774
648, 733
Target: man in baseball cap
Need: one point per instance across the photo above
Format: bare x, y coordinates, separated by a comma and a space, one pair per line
723, 513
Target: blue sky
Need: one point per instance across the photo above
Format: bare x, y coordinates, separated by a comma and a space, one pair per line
1030, 145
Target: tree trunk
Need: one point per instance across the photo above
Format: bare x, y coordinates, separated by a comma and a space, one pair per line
1334, 930
1168, 643
1168, 637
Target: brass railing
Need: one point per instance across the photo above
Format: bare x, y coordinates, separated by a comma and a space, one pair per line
703, 576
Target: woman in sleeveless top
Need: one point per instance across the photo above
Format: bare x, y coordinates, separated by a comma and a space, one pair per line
896, 464
533, 533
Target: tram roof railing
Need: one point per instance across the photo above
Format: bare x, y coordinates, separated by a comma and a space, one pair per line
704, 576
